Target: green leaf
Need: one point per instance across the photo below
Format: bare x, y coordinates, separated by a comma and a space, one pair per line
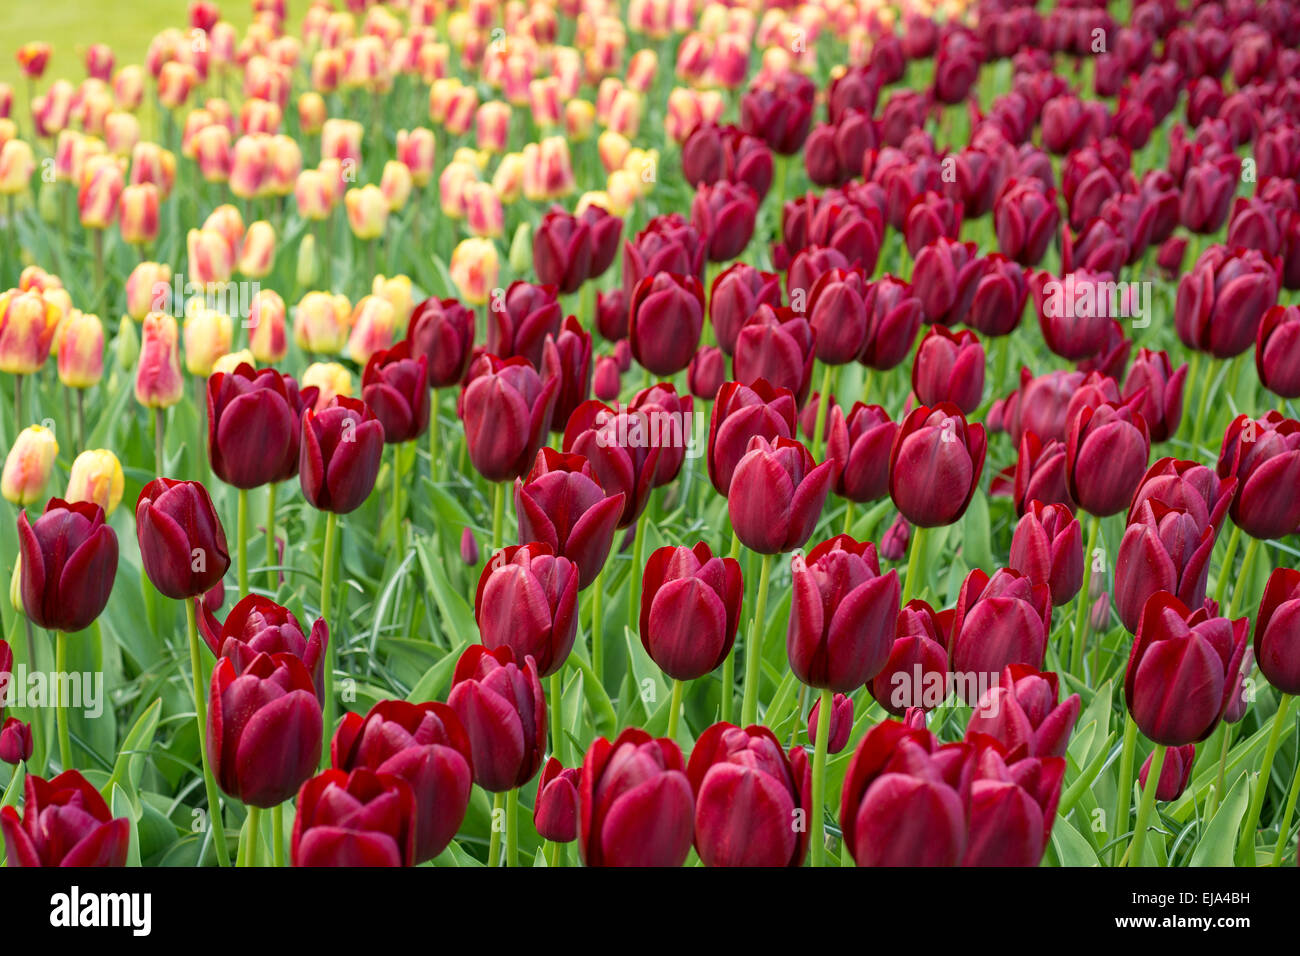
130, 758
433, 685
1070, 846
1218, 843
457, 616
122, 807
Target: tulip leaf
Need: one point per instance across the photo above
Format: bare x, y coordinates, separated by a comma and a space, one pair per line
1070, 847
15, 787
457, 616
1096, 714
433, 685
130, 759
1238, 759
648, 682
1218, 843
604, 719
122, 806
976, 550
783, 712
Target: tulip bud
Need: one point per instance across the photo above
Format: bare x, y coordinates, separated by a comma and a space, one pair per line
999, 621
15, 741
17, 163
503, 710
257, 254
211, 256
69, 561
367, 210
776, 495
468, 548
841, 722
29, 464
415, 148
96, 477
1175, 772
320, 322
330, 380
474, 269
158, 376
81, 350
1047, 548
27, 326
182, 542
1264, 455
65, 822
208, 336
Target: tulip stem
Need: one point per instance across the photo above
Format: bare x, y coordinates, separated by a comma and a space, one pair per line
1125, 794
158, 423
1225, 570
1145, 806
1284, 826
818, 840
252, 838
1243, 577
1207, 386
201, 717
634, 580
557, 731
18, 393
272, 576
1225, 744
398, 537
823, 403
65, 732
326, 592
1246, 844
729, 662
1085, 599
848, 517
914, 558
675, 708
494, 842
277, 836
243, 542
433, 437
498, 515
753, 647
598, 627
512, 827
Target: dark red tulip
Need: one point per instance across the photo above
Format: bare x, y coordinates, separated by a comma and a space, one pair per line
1026, 219
566, 357
606, 230
341, 450
264, 728
665, 319
1175, 772
423, 744
704, 160
562, 252
1069, 124
1040, 475
856, 89
860, 444
395, 387
974, 181
182, 543
779, 111
65, 822
506, 408
842, 616
956, 67
916, 673
622, 463
723, 214
1022, 713
16, 742
555, 812
837, 312
931, 217
690, 609
999, 621
527, 600
1207, 195
747, 793
442, 330
901, 805
1264, 455
1277, 631
253, 429
935, 465
748, 160
1162, 405
1047, 548
739, 413
605, 383
807, 267
1255, 224
1010, 806
1222, 301
1277, 351
949, 367
1106, 454
776, 344
468, 547
833, 152
503, 710
667, 244
945, 277
1073, 312
1089, 177
520, 320
776, 495
707, 372
69, 562
841, 722
257, 625
1182, 670
736, 294
562, 505
635, 802
999, 299
894, 314
360, 818
611, 315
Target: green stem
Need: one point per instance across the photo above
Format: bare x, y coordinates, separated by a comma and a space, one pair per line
1125, 794
1284, 825
201, 718
754, 649
823, 403
159, 422
272, 561
277, 836
1207, 386
634, 580
1225, 569
598, 626
557, 733
729, 662
675, 708
1225, 745
326, 593
512, 827
433, 436
65, 733
1246, 844
914, 558
848, 517
398, 536
1145, 806
498, 515
252, 837
494, 842
243, 543
1085, 599
817, 842
1243, 577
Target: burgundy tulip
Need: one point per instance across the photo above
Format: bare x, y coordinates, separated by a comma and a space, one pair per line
264, 728
16, 742
842, 616
1222, 301
527, 600
69, 562
1011, 806
1106, 454
736, 294
894, 315
503, 710
1264, 455
520, 320
182, 544
1026, 219
999, 299
611, 315
1073, 312
506, 408
999, 621
606, 230
949, 367
65, 822
341, 450
945, 277
1040, 475
257, 625
747, 793
566, 357
776, 495
776, 344
690, 609
723, 214
395, 387
1277, 631
916, 673
860, 444
837, 312
1207, 195
1175, 772
1047, 548
562, 505
739, 413
935, 465
562, 252
667, 244
360, 818
779, 111
1162, 405
442, 330
423, 744
1277, 351
706, 373
930, 217
841, 722
635, 802
621, 463
1181, 670
665, 319
555, 812
253, 431
1022, 713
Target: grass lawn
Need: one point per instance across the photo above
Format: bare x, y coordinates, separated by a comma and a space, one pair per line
69, 26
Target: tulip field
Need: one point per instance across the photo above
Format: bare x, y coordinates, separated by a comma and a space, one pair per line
560, 433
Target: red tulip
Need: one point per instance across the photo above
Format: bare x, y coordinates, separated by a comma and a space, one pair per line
776, 344
837, 312
949, 368
894, 314
1047, 548
182, 543
1264, 455
1277, 351
690, 609
999, 621
395, 387
776, 495
555, 812
65, 822
69, 562
1175, 772
1010, 806
665, 319
1105, 456
443, 332
841, 722
736, 294
621, 465
520, 320
1277, 631
916, 673
527, 600
503, 710
562, 252
1222, 301
1022, 713
860, 445
506, 408
562, 505
253, 427
360, 818
257, 625
339, 459
723, 213
935, 465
